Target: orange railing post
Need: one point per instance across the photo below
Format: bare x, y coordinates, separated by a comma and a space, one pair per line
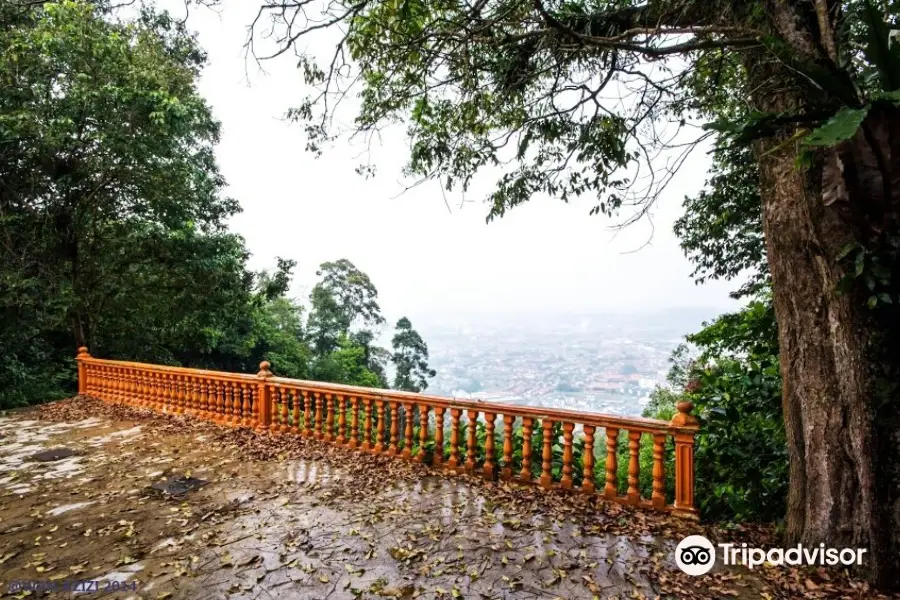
264, 404
684, 459
82, 370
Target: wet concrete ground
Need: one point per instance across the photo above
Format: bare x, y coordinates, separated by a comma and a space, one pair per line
310, 522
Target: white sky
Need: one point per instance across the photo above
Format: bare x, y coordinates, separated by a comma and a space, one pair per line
427, 263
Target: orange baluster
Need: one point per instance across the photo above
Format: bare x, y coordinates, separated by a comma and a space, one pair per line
129, 386
308, 409
153, 385
180, 383
320, 407
192, 395
183, 394
139, 388
329, 418
99, 384
395, 428
220, 401
225, 404
685, 425
229, 389
488, 470
587, 459
212, 399
547, 465
438, 458
367, 426
253, 398
150, 388
208, 410
408, 430
453, 461
285, 398
149, 399
120, 385
658, 499
506, 472
82, 355
295, 408
172, 392
262, 412
342, 420
423, 432
566, 481
162, 391
612, 463
142, 389
129, 395
379, 433
354, 423
244, 403
134, 399
235, 402
527, 423
471, 445
203, 410
634, 444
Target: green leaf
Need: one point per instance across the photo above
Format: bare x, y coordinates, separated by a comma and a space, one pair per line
872, 302
845, 251
842, 126
885, 298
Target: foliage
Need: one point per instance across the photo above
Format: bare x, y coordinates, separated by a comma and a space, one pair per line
345, 297
112, 218
111, 211
721, 228
410, 358
735, 386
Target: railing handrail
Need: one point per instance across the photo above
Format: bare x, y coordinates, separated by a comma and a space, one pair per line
519, 410
172, 369
538, 412
278, 404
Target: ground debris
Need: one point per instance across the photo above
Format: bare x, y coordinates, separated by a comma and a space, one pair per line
282, 516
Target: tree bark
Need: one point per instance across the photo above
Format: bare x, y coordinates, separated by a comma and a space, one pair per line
844, 450
839, 359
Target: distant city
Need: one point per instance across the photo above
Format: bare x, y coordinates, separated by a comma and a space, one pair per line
600, 363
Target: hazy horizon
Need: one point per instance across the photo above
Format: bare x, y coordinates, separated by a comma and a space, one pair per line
431, 256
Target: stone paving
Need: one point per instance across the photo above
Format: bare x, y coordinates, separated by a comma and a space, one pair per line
282, 517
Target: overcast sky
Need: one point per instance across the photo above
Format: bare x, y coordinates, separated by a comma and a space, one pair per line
426, 261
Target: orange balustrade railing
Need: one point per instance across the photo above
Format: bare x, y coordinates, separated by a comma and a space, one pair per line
415, 427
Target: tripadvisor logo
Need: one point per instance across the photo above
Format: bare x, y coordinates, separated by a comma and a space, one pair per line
696, 555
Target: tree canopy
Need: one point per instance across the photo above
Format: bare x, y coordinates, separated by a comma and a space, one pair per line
113, 218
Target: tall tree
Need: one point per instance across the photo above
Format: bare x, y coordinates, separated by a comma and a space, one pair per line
111, 212
353, 291
410, 358
344, 309
526, 86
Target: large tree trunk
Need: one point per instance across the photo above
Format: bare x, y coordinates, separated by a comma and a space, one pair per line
840, 359
843, 438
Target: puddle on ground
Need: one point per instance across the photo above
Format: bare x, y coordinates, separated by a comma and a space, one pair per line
55, 512
52, 454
